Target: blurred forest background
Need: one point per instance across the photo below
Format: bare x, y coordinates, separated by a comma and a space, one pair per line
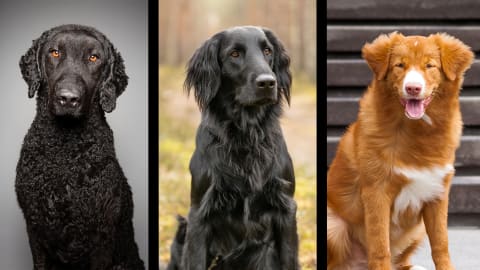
184, 25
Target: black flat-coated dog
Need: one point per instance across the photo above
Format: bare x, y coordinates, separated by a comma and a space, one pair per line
242, 213
75, 198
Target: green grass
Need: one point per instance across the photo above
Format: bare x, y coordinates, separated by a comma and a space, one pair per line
177, 142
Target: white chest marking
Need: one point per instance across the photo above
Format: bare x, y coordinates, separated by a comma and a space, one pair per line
425, 185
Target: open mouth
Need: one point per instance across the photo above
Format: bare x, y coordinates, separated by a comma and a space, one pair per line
415, 107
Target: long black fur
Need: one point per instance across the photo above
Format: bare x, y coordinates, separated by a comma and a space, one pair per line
242, 213
75, 198
177, 245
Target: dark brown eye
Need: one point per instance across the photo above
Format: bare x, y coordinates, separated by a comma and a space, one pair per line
93, 58
430, 65
55, 53
267, 51
400, 65
234, 54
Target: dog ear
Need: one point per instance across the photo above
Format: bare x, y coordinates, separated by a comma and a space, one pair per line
377, 53
30, 65
281, 65
455, 56
204, 72
115, 82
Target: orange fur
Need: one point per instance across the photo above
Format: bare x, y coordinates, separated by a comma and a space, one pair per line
362, 184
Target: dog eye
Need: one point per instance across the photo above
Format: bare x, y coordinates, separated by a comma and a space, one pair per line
430, 65
93, 58
267, 51
55, 53
400, 65
234, 54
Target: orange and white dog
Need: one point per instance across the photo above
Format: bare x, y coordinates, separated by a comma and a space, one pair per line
389, 182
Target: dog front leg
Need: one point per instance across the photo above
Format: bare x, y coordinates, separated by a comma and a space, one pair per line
289, 242
38, 254
194, 255
435, 218
376, 207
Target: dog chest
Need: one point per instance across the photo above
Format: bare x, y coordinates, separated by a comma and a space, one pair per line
425, 185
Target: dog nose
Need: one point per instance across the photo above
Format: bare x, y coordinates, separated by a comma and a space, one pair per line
67, 97
413, 89
265, 82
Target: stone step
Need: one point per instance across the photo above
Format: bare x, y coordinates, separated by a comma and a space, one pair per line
465, 195
465, 220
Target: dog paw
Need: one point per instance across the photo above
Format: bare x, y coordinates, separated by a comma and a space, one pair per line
417, 267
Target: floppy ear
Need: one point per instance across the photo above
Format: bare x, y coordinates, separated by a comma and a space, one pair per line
377, 53
281, 65
204, 72
30, 65
455, 56
115, 82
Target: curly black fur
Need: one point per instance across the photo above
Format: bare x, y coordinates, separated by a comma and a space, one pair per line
75, 198
242, 213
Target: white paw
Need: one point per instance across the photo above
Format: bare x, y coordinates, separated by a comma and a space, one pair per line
417, 267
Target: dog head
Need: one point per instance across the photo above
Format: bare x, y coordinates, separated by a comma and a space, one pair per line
247, 63
76, 65
417, 67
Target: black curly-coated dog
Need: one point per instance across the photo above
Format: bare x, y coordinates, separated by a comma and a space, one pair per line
75, 198
242, 213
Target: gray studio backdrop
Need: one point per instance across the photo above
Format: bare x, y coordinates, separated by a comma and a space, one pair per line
124, 22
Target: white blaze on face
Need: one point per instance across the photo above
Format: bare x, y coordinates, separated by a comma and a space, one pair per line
414, 101
416, 77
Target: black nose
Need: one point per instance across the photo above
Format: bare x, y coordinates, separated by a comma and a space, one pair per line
265, 82
67, 97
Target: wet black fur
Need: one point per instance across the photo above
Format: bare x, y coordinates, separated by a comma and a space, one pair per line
242, 207
75, 198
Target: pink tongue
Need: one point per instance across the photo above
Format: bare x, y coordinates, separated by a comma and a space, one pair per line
414, 108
